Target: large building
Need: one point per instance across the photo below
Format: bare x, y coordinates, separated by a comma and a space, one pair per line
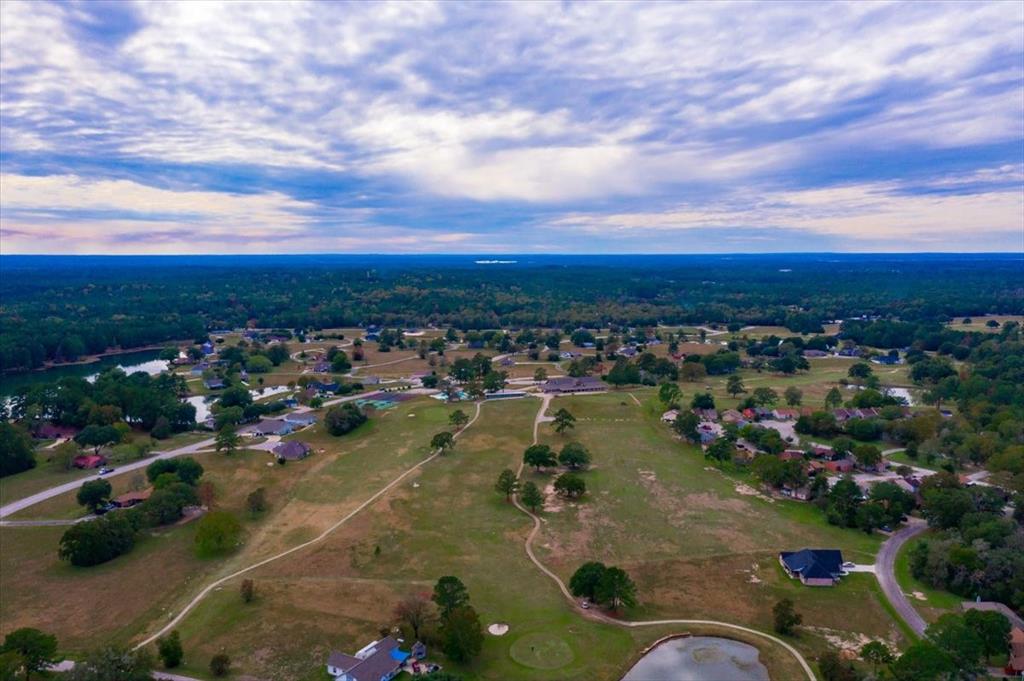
379, 661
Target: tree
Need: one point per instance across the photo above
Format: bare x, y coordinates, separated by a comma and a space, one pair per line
583, 583
616, 589
247, 590
217, 532
785, 617
669, 394
227, 439
95, 542
721, 449
540, 374
564, 420
93, 494
868, 456
344, 418
458, 419
188, 470
111, 663
98, 437
992, 628
462, 634
734, 386
686, 424
574, 456
702, 401
570, 485
951, 634
64, 454
220, 664
415, 612
693, 372
794, 396
539, 456
876, 654
860, 370
764, 397
833, 399
256, 502
507, 483
442, 442
36, 649
833, 668
169, 649
449, 593
531, 496
870, 516
922, 661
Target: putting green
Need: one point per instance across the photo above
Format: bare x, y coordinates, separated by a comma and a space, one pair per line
541, 651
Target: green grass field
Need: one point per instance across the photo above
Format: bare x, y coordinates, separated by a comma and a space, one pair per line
697, 543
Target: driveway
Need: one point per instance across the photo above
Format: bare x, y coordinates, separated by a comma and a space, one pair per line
885, 564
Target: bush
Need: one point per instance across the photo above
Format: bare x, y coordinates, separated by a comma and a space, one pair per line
220, 665
344, 418
169, 649
95, 542
217, 532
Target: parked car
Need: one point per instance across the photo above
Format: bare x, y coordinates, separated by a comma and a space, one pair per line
105, 470
585, 604
105, 508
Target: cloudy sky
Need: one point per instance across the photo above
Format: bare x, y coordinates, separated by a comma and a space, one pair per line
203, 127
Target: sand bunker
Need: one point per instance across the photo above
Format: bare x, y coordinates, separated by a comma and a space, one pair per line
498, 629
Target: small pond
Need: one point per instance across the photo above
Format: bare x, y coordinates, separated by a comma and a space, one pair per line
143, 360
699, 658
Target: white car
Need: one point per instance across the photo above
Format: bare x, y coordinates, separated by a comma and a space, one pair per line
105, 470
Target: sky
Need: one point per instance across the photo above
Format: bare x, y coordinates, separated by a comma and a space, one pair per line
521, 127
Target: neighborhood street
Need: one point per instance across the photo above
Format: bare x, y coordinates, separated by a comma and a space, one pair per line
885, 563
38, 497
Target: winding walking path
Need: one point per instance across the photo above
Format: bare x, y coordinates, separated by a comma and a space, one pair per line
323, 535
600, 617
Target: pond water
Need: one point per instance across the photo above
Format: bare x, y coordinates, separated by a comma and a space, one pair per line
144, 360
699, 658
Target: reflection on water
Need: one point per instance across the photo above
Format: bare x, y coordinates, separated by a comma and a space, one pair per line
699, 658
130, 362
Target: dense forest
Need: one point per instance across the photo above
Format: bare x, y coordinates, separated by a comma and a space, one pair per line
60, 309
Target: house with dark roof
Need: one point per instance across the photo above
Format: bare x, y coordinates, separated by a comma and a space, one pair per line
301, 419
270, 427
813, 567
571, 384
129, 499
379, 661
214, 383
292, 450
320, 386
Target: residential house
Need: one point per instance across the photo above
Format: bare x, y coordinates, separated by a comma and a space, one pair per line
214, 383
786, 414
129, 499
322, 387
839, 466
566, 354
88, 461
507, 361
570, 384
850, 352
792, 455
50, 431
370, 380
270, 427
732, 416
798, 493
813, 567
706, 414
198, 369
815, 353
843, 414
322, 367
505, 395
300, 419
293, 450
379, 661
626, 351
670, 416
887, 360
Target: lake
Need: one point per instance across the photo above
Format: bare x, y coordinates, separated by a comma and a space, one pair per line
699, 658
143, 360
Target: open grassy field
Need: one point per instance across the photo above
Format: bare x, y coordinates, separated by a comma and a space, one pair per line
931, 603
700, 544
979, 323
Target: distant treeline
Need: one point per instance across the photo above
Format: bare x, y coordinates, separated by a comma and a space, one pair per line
62, 309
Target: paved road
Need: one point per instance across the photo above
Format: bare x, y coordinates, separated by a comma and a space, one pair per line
39, 497
885, 563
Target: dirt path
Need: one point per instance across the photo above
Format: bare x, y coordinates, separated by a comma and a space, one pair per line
323, 535
600, 617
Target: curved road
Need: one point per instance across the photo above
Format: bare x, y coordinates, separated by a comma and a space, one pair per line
600, 617
885, 563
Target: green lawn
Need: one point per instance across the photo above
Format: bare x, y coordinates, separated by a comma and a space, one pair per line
931, 603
